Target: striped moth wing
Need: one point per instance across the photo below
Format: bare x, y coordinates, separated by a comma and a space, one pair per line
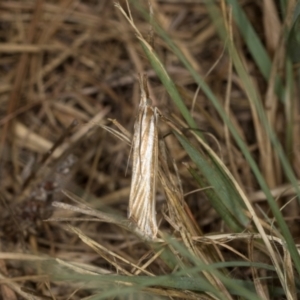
141, 210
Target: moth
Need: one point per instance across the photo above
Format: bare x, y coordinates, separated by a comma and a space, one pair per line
141, 210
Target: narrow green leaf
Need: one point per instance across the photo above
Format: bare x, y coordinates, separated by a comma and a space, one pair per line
251, 38
226, 202
227, 216
293, 43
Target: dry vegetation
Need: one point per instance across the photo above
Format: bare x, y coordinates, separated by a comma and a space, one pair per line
68, 70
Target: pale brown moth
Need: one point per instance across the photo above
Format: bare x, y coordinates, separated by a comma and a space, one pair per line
141, 210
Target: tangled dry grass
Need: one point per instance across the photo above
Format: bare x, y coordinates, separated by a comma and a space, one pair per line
69, 74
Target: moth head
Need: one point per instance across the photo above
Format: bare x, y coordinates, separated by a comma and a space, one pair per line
143, 80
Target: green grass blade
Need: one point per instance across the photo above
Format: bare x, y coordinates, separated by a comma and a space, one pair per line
168, 84
251, 39
225, 200
293, 42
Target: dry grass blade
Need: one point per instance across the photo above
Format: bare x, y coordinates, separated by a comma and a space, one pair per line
99, 215
184, 223
260, 285
17, 289
108, 255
